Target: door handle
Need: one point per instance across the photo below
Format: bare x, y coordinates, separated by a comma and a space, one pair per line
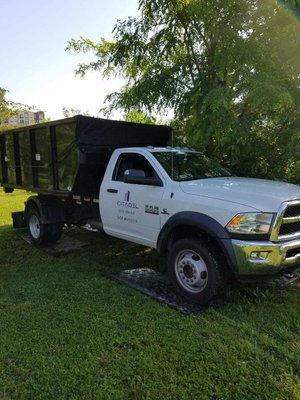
112, 190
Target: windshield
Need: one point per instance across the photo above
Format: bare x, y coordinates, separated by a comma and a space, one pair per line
189, 166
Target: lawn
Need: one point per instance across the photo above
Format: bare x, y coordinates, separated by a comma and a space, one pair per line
66, 332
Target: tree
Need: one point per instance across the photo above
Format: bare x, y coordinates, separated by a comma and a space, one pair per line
6, 110
292, 5
140, 117
71, 112
229, 69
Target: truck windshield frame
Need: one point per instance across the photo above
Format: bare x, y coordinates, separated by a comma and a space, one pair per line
189, 166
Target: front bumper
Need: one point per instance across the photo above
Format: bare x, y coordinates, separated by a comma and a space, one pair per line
261, 258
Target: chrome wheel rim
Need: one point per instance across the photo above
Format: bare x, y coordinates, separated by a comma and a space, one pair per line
191, 271
34, 226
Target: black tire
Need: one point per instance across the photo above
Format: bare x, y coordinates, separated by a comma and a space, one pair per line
45, 234
212, 281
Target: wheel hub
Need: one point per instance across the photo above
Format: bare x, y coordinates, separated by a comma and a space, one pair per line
34, 226
191, 271
188, 271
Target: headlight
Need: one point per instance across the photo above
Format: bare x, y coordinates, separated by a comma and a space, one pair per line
251, 223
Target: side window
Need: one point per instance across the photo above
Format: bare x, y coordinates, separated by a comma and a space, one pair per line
135, 162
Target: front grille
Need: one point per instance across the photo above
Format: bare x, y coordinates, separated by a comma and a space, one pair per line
292, 211
293, 252
290, 221
289, 229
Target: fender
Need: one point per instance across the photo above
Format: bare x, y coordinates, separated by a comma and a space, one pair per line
205, 224
51, 210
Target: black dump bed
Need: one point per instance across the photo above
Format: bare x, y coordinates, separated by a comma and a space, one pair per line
69, 156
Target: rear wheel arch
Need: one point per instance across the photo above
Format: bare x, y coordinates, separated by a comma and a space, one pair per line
32, 203
51, 209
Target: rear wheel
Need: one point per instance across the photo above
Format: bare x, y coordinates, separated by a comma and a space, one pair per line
39, 232
195, 270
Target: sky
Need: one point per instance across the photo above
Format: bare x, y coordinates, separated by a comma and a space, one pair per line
34, 65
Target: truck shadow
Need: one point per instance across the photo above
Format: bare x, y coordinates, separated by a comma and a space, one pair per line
118, 255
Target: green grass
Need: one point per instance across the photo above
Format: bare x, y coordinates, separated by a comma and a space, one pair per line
66, 332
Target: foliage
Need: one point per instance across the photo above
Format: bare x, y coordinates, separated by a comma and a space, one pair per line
140, 117
6, 110
292, 5
230, 72
71, 112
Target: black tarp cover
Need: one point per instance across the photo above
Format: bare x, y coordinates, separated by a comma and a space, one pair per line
95, 132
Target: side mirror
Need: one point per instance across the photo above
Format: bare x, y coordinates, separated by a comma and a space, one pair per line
138, 178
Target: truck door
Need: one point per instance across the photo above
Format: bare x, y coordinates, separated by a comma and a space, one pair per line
128, 210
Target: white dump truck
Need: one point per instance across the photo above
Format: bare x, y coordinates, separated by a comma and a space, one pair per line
124, 179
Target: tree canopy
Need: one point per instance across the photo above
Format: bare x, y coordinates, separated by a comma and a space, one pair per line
6, 110
139, 116
71, 112
229, 69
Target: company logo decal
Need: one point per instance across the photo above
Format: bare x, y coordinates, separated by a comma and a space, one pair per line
127, 203
127, 196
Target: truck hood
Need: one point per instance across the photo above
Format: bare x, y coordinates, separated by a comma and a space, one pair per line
260, 194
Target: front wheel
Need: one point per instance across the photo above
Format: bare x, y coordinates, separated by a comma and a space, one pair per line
195, 270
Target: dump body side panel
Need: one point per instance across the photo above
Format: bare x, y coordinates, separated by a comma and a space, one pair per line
10, 160
67, 155
41, 158
25, 159
3, 169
